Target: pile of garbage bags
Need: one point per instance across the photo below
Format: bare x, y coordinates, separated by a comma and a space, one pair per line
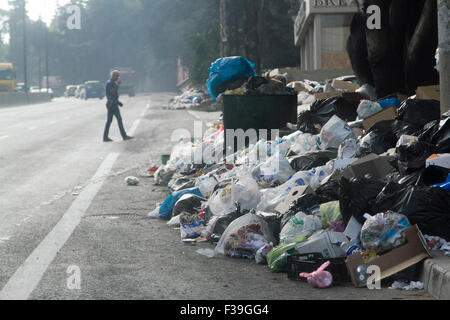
332, 187
236, 76
189, 99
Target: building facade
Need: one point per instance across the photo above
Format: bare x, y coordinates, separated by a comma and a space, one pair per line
322, 28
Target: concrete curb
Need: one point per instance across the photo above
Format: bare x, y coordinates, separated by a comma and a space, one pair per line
436, 276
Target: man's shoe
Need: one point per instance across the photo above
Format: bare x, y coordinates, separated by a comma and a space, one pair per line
108, 140
128, 138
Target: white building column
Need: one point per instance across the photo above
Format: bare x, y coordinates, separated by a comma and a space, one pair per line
317, 29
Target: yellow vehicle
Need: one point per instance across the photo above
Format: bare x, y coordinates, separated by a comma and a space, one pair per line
7, 77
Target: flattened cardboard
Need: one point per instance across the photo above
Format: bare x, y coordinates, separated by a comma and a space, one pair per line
412, 252
375, 166
295, 194
327, 95
344, 85
429, 93
385, 115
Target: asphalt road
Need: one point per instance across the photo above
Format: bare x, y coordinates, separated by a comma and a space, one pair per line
70, 227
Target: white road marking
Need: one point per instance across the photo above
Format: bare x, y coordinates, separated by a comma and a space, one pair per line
27, 277
32, 128
136, 123
4, 137
193, 114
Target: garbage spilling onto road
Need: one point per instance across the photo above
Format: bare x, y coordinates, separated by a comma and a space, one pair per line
340, 193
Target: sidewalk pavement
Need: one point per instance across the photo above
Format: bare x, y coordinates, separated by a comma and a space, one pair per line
436, 276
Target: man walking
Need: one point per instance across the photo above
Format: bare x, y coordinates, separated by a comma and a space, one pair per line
112, 94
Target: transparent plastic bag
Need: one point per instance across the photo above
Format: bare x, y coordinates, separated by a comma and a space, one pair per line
244, 237
163, 175
383, 231
206, 184
299, 226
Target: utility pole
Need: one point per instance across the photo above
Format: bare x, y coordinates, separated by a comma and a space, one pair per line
46, 57
24, 20
444, 53
223, 28
40, 54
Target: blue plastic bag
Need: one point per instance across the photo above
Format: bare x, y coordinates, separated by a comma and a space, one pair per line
386, 103
165, 212
228, 69
445, 185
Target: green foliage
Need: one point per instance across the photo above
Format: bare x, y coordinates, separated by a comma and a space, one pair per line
150, 35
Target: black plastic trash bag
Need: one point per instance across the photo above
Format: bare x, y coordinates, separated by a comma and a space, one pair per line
181, 183
274, 222
222, 222
413, 156
438, 133
427, 207
329, 191
310, 160
322, 111
384, 136
419, 112
355, 195
188, 203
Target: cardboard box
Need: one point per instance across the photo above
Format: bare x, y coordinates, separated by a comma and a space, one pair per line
327, 95
439, 160
344, 85
327, 243
429, 93
295, 194
385, 115
375, 166
412, 252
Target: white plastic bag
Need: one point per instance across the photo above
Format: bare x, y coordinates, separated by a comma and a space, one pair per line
305, 142
163, 175
276, 170
221, 203
301, 225
349, 149
206, 184
270, 198
368, 108
334, 132
246, 193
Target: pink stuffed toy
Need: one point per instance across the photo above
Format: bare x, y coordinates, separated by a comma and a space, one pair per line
319, 279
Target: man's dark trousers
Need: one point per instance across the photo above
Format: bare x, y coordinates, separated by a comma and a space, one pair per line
113, 110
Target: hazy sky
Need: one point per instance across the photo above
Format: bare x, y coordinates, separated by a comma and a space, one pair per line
36, 8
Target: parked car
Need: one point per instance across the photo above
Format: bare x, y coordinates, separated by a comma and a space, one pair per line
45, 90
80, 91
34, 89
93, 89
70, 91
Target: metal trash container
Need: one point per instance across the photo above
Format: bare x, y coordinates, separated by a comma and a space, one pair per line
257, 112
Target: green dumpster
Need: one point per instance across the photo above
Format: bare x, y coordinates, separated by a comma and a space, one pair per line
257, 112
